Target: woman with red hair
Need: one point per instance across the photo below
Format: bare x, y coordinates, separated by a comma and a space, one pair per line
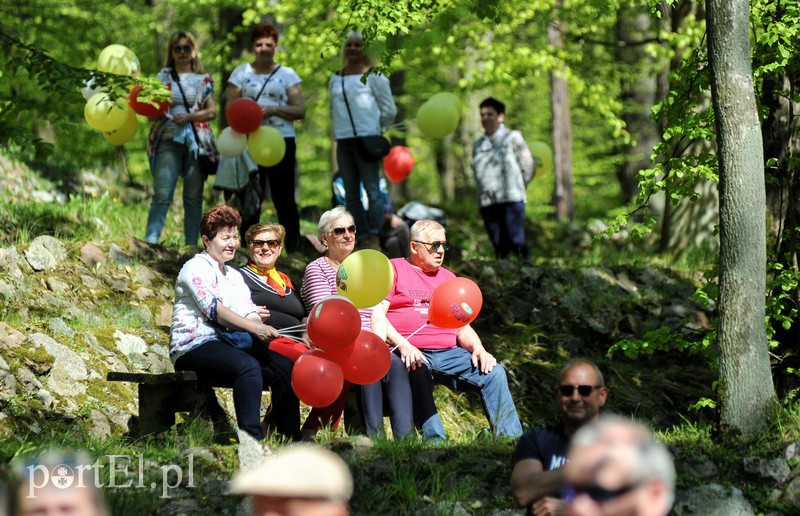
276, 89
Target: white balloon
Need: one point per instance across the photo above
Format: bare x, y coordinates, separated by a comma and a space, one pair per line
89, 90
230, 143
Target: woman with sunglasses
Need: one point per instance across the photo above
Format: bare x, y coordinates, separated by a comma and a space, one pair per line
276, 89
172, 146
360, 108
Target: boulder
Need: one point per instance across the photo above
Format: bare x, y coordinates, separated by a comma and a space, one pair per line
712, 500
45, 253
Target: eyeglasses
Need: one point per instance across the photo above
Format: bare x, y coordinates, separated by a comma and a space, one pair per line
434, 246
182, 49
341, 231
583, 390
272, 244
601, 494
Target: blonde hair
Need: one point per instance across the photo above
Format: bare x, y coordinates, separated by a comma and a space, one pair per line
197, 66
356, 34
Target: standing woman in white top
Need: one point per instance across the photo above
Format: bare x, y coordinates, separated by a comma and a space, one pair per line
172, 147
372, 108
276, 89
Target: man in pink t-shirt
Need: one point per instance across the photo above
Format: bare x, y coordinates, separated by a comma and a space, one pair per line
454, 357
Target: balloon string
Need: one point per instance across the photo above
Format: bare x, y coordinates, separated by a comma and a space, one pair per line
416, 331
294, 327
290, 330
292, 337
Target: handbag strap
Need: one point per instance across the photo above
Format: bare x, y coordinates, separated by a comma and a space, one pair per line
177, 79
265, 83
347, 105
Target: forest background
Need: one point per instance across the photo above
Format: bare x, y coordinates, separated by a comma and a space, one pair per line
621, 90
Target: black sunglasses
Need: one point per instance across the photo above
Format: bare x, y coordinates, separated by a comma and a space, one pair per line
272, 244
434, 246
583, 390
601, 494
182, 49
340, 230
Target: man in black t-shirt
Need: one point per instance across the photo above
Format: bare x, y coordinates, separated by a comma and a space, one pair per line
538, 476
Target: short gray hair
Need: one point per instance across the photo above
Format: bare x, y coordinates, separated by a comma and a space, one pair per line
327, 219
421, 228
652, 458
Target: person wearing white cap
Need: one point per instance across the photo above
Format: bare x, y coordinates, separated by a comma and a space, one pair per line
299, 480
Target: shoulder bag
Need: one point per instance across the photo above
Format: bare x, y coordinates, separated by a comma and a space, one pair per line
370, 148
207, 154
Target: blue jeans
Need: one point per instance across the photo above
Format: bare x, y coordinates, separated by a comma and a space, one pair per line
172, 161
395, 388
453, 368
355, 171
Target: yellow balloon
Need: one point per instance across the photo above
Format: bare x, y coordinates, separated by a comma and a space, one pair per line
105, 115
543, 155
365, 278
125, 133
230, 143
437, 119
266, 146
451, 98
118, 59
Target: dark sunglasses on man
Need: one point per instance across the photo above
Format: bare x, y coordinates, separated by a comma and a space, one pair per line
584, 390
434, 246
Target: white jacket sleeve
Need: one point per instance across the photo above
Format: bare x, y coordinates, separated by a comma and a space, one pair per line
382, 92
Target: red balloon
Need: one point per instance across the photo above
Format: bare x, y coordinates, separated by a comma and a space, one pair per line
144, 108
366, 361
316, 379
333, 323
244, 115
288, 347
398, 163
455, 303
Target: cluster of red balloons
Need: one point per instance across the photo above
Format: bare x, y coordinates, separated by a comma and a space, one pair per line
346, 353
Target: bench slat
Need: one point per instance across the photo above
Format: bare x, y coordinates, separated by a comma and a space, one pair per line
153, 379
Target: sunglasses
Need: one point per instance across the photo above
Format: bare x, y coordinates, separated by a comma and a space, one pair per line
601, 494
341, 231
583, 390
434, 246
182, 49
272, 244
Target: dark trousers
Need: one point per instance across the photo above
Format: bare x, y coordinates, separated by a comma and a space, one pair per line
394, 388
421, 382
282, 184
249, 373
505, 223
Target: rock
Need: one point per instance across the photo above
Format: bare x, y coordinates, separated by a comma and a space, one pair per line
59, 327
116, 255
712, 500
99, 426
699, 469
45, 397
10, 337
201, 453
117, 285
29, 382
250, 452
8, 383
9, 264
45, 253
92, 256
57, 285
774, 469
142, 274
128, 344
90, 282
792, 451
143, 293
164, 317
69, 371
791, 494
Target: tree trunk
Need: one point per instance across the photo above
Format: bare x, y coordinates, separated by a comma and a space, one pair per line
639, 88
745, 387
562, 133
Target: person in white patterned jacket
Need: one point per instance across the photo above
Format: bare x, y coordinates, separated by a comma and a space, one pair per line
503, 167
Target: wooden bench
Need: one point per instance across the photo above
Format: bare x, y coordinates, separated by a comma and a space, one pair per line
162, 395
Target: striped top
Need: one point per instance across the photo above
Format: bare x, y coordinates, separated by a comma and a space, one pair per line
319, 282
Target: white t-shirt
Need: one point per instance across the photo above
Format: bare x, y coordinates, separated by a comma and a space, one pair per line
275, 93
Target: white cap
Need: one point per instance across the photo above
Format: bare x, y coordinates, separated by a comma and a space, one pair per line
300, 470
